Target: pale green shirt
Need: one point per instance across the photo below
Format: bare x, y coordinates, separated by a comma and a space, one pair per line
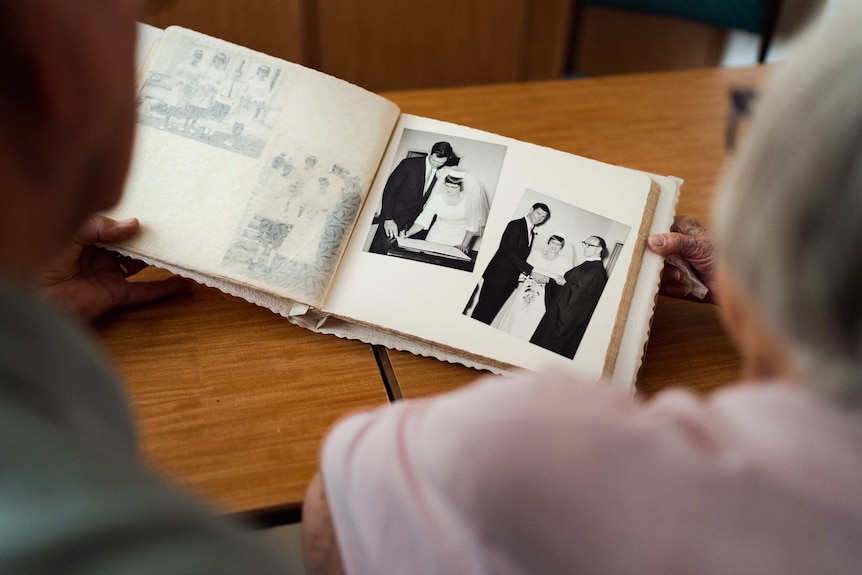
74, 495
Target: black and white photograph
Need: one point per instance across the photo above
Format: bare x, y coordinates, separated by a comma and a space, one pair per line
296, 221
213, 96
436, 199
548, 272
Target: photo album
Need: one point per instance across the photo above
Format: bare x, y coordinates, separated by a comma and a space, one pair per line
321, 201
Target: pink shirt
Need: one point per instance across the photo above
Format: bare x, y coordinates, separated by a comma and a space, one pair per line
548, 475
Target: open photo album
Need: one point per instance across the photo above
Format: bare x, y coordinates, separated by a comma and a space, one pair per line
319, 200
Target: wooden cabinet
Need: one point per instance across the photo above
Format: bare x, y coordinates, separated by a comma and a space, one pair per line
392, 44
386, 44
275, 27
620, 42
396, 45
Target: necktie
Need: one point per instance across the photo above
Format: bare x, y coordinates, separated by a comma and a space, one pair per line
430, 185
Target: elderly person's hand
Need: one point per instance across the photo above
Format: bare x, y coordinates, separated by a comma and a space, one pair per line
88, 281
693, 243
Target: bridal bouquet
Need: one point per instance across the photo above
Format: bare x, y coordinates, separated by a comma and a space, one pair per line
531, 289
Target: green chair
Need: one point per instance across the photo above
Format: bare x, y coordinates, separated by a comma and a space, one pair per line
757, 16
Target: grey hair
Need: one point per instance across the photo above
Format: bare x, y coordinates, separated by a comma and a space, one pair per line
789, 212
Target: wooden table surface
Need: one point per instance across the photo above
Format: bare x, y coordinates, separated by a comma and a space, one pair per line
232, 400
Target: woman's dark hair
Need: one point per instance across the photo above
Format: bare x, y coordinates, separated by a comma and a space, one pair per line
558, 238
454, 180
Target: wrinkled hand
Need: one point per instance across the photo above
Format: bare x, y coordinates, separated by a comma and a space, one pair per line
540, 278
88, 281
691, 241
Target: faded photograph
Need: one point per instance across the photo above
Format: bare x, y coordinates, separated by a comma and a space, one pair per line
436, 200
296, 223
548, 272
214, 97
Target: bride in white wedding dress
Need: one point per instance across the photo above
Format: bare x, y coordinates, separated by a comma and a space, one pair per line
522, 312
458, 209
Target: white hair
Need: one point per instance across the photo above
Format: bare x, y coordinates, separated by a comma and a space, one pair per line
789, 212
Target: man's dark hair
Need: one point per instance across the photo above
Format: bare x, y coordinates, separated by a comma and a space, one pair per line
442, 149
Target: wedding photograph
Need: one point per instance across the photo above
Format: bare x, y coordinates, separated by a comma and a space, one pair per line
548, 272
436, 199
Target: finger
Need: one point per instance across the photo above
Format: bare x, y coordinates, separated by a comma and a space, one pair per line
676, 243
99, 228
658, 243
675, 290
687, 225
141, 293
671, 275
690, 247
117, 230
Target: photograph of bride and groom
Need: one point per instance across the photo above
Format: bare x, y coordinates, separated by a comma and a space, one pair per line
436, 199
548, 273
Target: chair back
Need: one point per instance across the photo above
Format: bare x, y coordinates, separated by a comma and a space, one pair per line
749, 15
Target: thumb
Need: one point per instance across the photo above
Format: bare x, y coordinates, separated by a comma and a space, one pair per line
674, 243
99, 228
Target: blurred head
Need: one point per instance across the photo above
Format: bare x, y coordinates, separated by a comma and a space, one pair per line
66, 121
789, 215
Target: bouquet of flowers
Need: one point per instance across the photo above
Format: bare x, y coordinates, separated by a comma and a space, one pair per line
531, 290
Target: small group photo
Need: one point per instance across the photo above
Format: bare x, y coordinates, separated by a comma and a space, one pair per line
214, 96
436, 199
295, 221
549, 270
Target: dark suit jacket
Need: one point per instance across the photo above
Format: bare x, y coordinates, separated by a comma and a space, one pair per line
570, 309
501, 275
403, 193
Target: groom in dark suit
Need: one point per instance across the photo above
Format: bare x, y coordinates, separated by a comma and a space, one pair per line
510, 261
406, 191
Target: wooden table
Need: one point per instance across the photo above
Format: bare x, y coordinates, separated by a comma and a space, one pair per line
233, 400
